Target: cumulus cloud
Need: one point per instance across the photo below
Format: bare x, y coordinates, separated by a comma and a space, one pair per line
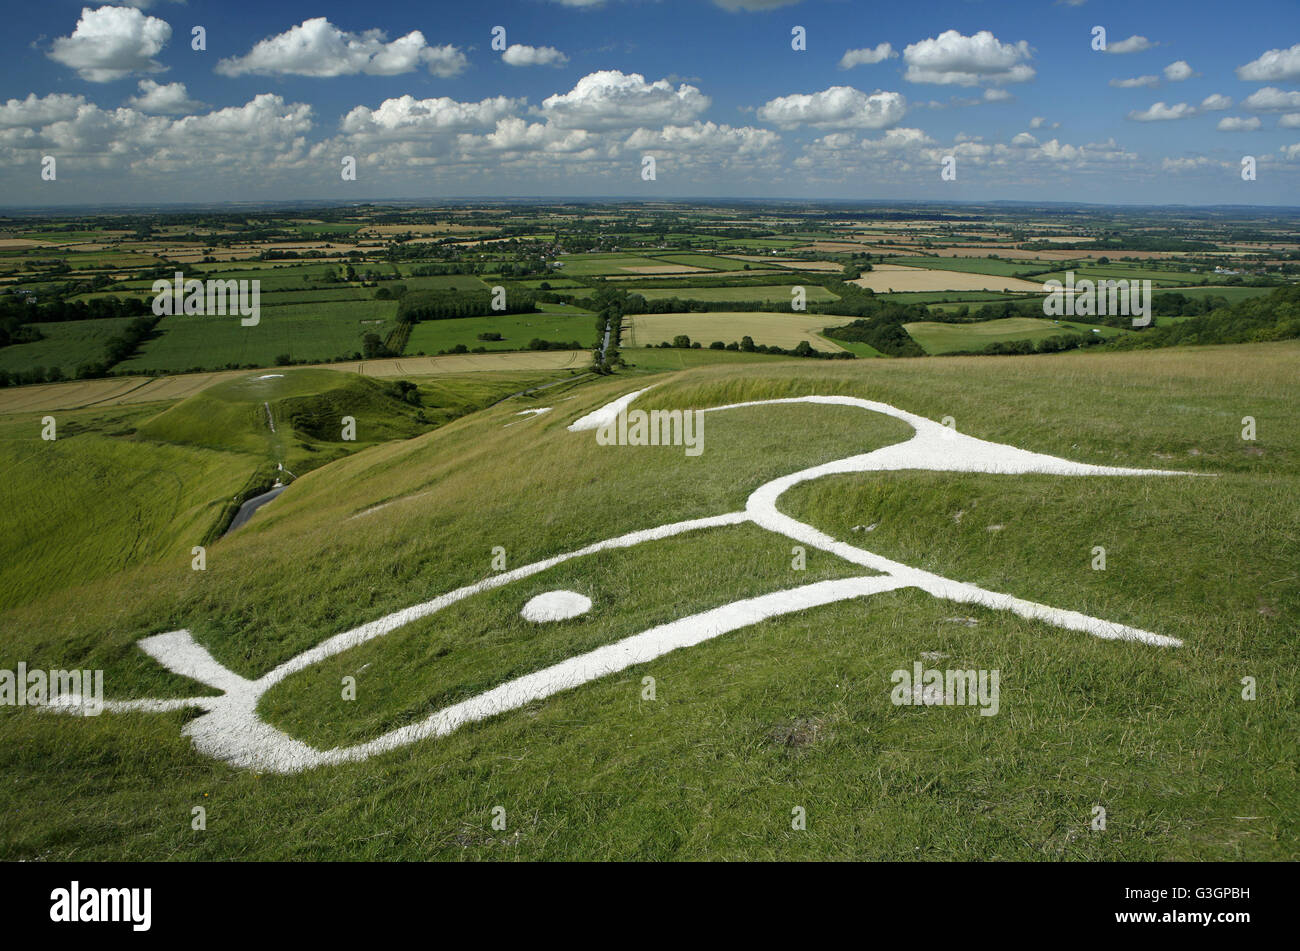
1134, 44
1023, 140
1191, 164
1289, 121
611, 99
867, 55
1178, 71
1159, 112
408, 118
1216, 102
1136, 82
704, 137
519, 55
1274, 66
262, 134
953, 59
1239, 124
160, 99
1271, 99
1041, 122
112, 43
839, 107
39, 110
318, 48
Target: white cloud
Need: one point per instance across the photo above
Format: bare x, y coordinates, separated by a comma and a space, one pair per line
1289, 121
997, 95
867, 55
1291, 152
611, 99
1041, 122
954, 59
518, 135
1271, 99
38, 111
1023, 140
1216, 102
160, 99
704, 136
1136, 82
1178, 71
839, 107
407, 118
1239, 124
112, 43
519, 55
255, 138
1159, 112
1192, 163
1273, 66
1134, 44
318, 48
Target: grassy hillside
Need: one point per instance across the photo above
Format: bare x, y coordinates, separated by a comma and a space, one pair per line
789, 712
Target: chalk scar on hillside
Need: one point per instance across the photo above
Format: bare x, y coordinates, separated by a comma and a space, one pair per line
230, 729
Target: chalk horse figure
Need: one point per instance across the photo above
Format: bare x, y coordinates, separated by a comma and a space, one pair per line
230, 729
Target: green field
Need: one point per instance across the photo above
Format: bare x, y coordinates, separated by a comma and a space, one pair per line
431, 336
67, 344
585, 265
305, 332
936, 337
994, 266
713, 262
793, 711
762, 292
442, 282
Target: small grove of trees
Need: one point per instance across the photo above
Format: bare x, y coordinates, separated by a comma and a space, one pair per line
747, 345
440, 305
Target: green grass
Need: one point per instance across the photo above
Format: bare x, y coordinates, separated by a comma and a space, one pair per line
306, 332
1160, 279
789, 712
430, 336
584, 265
66, 345
442, 282
762, 292
711, 261
1230, 293
937, 337
998, 267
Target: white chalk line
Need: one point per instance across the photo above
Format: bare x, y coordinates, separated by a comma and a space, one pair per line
231, 730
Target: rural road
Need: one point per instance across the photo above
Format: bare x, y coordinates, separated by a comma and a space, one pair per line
249, 507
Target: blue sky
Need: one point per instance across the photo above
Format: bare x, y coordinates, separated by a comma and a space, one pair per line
1011, 89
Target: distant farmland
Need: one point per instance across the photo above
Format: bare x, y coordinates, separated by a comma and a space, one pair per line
312, 332
764, 292
769, 329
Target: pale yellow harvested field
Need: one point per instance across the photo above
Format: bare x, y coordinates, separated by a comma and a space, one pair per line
119, 391
770, 329
895, 277
23, 243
